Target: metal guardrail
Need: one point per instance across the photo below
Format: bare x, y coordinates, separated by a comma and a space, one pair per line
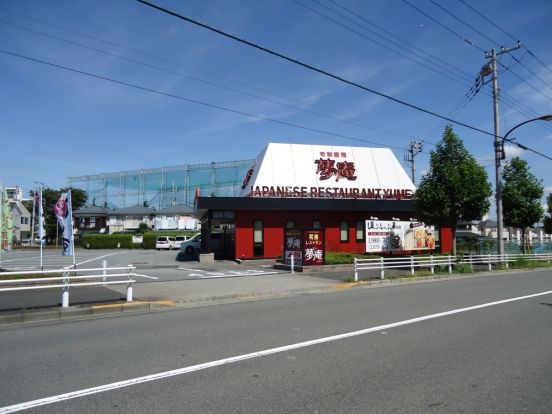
66, 281
413, 262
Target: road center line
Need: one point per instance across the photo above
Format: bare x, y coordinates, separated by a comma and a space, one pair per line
186, 370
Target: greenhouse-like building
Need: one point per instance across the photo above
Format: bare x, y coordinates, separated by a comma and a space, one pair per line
163, 187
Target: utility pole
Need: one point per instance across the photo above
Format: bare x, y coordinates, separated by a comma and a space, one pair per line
413, 150
491, 68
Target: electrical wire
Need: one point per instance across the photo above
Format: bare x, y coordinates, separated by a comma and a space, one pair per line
508, 100
323, 72
377, 42
195, 79
506, 33
194, 101
471, 43
313, 68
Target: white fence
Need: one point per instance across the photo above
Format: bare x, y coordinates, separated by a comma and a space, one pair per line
430, 262
98, 277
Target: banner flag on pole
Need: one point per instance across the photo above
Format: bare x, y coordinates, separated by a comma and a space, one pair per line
64, 214
41, 224
6, 228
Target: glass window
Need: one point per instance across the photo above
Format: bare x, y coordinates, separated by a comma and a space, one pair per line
290, 224
343, 231
258, 238
360, 230
316, 224
258, 231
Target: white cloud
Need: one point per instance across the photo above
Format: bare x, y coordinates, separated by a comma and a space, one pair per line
513, 151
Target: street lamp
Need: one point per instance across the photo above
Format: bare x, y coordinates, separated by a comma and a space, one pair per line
500, 155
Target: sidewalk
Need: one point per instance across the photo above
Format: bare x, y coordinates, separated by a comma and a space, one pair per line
39, 305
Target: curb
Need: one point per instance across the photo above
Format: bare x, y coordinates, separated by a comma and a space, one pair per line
41, 315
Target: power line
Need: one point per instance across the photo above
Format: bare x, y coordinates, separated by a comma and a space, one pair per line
377, 42
323, 72
473, 44
510, 101
506, 33
448, 29
313, 68
194, 101
358, 124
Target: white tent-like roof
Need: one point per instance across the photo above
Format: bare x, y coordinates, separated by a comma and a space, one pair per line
327, 171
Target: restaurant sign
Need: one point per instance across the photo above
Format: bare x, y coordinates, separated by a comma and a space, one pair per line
305, 246
393, 236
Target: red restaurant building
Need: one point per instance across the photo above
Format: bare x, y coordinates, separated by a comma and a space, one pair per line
360, 197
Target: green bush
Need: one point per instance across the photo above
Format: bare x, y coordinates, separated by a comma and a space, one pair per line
333, 258
106, 241
124, 240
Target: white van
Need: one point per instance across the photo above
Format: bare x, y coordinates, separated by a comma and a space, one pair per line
166, 243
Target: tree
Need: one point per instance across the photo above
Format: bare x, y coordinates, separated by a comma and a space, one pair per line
50, 196
521, 195
548, 217
455, 188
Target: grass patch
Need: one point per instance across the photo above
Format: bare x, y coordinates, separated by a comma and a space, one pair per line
333, 258
523, 263
31, 276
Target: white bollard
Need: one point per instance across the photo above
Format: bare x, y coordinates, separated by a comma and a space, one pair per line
292, 263
450, 264
432, 265
356, 270
382, 265
65, 291
412, 265
129, 284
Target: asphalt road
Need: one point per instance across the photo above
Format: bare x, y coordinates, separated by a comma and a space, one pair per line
151, 265
229, 358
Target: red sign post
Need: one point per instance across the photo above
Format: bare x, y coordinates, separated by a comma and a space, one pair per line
313, 247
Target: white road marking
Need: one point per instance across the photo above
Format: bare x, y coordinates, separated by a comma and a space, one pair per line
225, 361
98, 258
146, 276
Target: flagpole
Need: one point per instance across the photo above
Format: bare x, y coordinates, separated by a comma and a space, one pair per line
40, 226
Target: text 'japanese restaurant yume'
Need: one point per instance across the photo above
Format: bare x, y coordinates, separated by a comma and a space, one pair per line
303, 200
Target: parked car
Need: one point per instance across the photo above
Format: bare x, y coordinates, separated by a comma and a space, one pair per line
194, 244
165, 242
180, 239
191, 245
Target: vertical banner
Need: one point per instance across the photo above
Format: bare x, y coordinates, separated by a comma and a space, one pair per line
313, 247
41, 224
292, 247
64, 215
6, 223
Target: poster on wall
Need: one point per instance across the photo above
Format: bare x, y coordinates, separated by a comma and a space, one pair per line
313, 247
292, 247
392, 236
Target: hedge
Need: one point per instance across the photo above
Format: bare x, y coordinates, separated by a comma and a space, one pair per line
124, 240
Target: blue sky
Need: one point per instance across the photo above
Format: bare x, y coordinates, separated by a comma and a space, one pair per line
57, 123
